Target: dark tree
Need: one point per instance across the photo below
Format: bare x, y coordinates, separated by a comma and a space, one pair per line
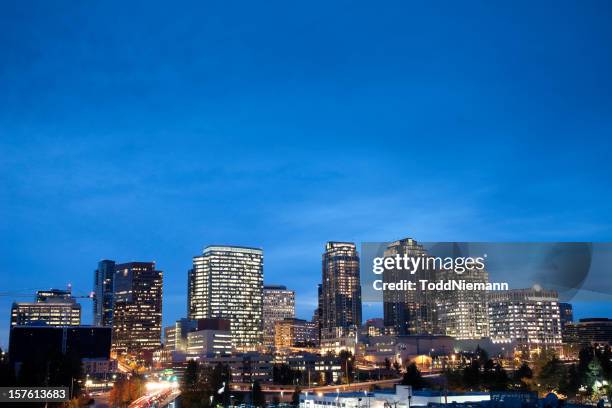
259, 399
523, 372
196, 387
347, 364
585, 356
413, 377
570, 382
498, 380
387, 364
190, 377
283, 374
482, 355
220, 380
453, 379
471, 375
594, 373
7, 374
522, 376
295, 398
551, 375
126, 390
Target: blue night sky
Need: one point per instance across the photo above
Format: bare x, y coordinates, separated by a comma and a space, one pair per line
144, 131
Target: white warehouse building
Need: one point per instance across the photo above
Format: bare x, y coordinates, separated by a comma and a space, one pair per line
401, 397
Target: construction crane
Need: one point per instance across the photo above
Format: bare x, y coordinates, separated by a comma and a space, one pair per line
47, 293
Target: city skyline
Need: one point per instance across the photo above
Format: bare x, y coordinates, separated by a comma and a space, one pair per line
369, 309
150, 135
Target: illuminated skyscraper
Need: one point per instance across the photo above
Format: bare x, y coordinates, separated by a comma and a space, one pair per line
278, 304
103, 289
407, 311
457, 313
227, 282
462, 314
137, 308
340, 299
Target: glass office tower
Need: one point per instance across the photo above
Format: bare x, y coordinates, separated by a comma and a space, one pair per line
227, 282
103, 289
278, 304
137, 311
340, 299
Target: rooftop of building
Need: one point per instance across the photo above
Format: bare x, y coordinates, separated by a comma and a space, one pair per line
416, 393
275, 287
231, 248
132, 264
594, 320
435, 393
339, 244
37, 325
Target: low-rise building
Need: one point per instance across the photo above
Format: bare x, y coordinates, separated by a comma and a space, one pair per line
40, 343
294, 333
175, 336
245, 367
335, 345
589, 331
213, 337
402, 396
404, 349
316, 369
99, 367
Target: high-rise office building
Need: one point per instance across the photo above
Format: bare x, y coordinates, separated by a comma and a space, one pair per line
52, 307
227, 282
408, 311
103, 290
462, 314
137, 309
318, 313
278, 304
530, 317
340, 299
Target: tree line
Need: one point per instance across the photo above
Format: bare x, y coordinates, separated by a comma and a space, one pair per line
588, 379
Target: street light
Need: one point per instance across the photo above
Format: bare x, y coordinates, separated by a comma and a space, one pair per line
431, 358
348, 379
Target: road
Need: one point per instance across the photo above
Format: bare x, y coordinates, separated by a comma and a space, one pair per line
158, 397
358, 386
102, 400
